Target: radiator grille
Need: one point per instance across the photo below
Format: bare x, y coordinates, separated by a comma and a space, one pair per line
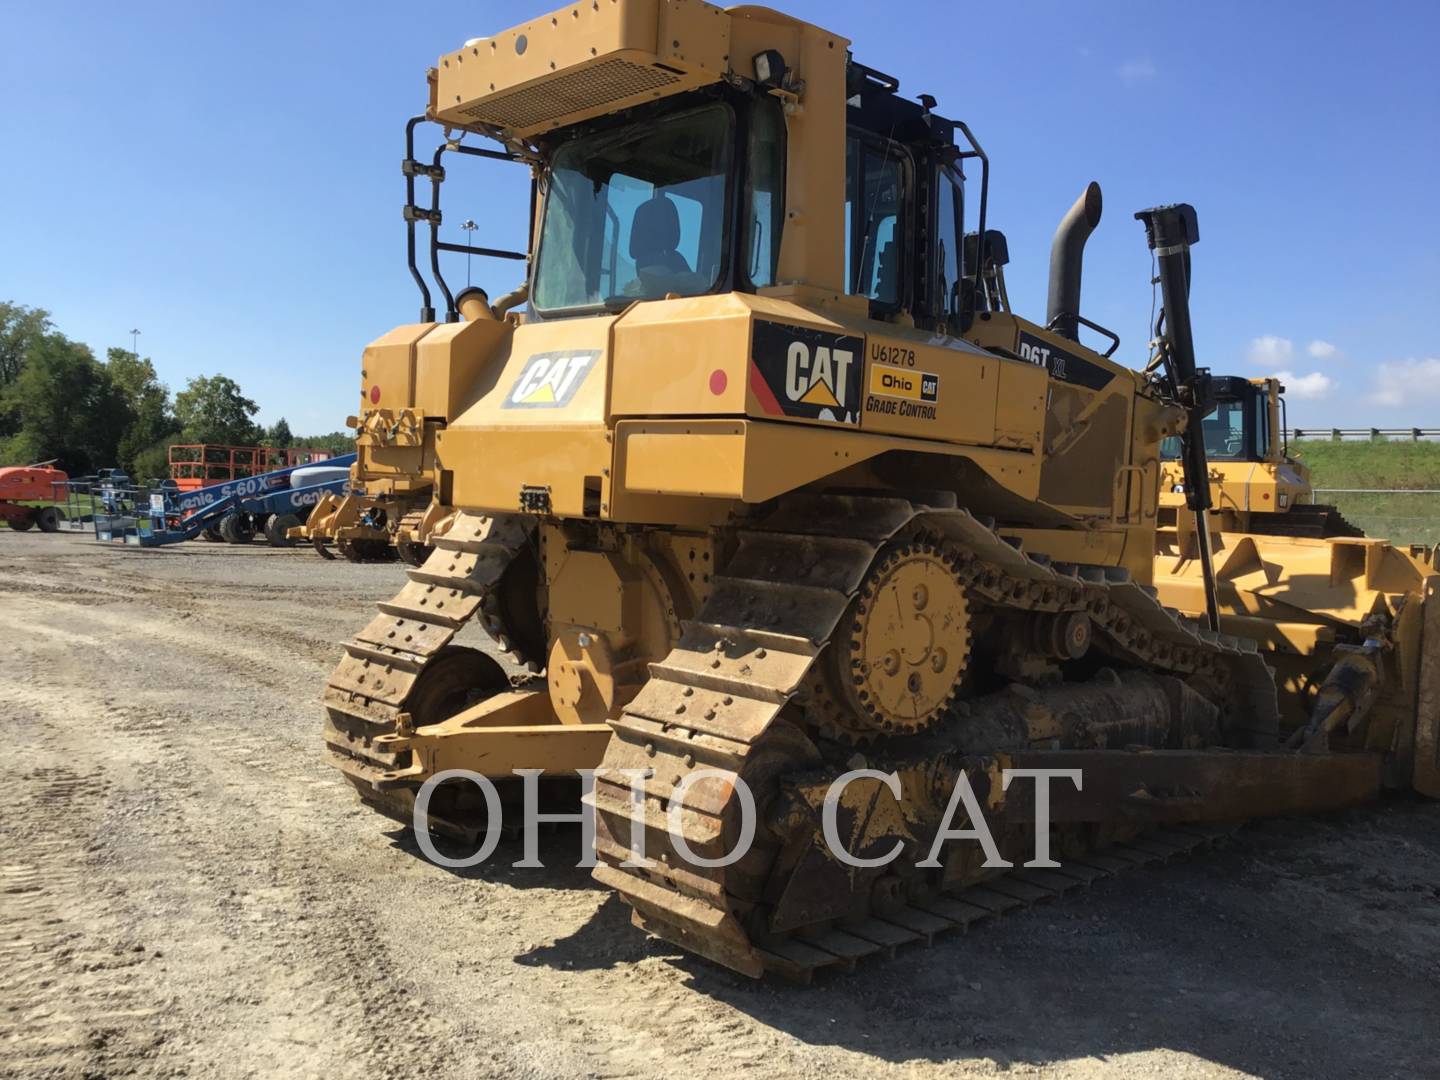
611, 80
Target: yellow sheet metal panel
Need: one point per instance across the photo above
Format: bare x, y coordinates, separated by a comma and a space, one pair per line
1020, 404
1086, 419
774, 458
585, 60
708, 462
553, 375
450, 359
595, 589
1298, 638
387, 369
682, 357
382, 468
746, 460
785, 457
487, 469
916, 387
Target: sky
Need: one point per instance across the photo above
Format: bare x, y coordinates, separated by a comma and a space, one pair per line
225, 177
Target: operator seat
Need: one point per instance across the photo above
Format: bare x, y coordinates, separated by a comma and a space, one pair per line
887, 274
654, 236
1217, 436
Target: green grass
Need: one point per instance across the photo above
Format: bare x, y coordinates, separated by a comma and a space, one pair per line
1371, 464
1404, 519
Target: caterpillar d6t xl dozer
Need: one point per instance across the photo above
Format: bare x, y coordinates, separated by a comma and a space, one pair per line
766, 483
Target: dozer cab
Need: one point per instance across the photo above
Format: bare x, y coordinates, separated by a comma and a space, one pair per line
1255, 485
761, 477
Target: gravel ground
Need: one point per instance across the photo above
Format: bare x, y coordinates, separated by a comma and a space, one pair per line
186, 891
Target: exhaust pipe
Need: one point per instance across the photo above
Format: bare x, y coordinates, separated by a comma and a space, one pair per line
1067, 251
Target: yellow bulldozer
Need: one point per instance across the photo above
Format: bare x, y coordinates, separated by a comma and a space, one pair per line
1255, 485
388, 509
799, 530
1293, 575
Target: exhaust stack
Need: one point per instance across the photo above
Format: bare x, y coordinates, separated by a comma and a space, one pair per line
1067, 252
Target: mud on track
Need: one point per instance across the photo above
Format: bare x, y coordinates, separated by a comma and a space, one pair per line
185, 890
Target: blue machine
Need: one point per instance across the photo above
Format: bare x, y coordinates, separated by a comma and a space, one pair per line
233, 511
250, 487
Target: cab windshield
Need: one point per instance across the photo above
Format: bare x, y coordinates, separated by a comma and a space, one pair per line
1226, 438
636, 214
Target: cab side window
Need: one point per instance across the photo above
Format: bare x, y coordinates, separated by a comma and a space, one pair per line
765, 182
948, 241
875, 192
1261, 424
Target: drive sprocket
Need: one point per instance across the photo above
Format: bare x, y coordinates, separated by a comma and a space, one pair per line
897, 658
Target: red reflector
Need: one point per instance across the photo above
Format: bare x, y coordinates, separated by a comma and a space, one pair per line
718, 381
374, 395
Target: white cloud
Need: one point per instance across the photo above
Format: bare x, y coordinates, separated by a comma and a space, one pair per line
1136, 71
1321, 350
1309, 387
1270, 350
1407, 382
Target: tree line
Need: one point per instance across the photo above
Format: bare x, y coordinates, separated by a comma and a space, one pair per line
57, 400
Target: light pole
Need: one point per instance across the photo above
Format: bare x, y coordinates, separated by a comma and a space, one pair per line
469, 226
135, 343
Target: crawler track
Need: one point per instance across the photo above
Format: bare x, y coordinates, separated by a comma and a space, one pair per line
920, 922
716, 702
1314, 521
366, 694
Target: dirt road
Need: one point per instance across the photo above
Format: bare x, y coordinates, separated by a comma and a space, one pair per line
186, 890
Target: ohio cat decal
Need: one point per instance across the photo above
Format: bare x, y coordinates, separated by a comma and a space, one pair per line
806, 374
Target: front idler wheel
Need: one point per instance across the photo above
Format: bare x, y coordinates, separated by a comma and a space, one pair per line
454, 680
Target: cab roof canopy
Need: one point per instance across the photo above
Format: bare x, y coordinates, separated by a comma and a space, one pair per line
602, 56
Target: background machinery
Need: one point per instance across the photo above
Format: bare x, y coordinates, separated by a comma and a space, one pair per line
234, 511
1256, 486
767, 479
388, 507
1296, 577
200, 465
21, 486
